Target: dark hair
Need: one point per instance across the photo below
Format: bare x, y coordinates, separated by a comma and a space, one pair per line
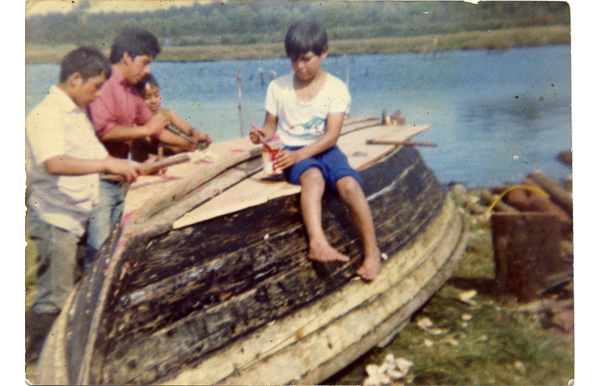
134, 41
305, 36
87, 61
146, 80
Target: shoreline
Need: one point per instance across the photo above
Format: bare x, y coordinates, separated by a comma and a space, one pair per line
495, 40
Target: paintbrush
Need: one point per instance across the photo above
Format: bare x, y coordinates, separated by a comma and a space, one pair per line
176, 131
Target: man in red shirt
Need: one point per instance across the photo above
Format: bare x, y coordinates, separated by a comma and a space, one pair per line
120, 116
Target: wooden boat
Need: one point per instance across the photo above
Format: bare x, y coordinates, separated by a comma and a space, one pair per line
206, 281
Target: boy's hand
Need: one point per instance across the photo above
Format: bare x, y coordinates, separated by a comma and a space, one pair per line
130, 170
201, 137
255, 134
157, 122
285, 159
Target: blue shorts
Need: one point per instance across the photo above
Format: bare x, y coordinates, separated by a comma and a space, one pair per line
332, 163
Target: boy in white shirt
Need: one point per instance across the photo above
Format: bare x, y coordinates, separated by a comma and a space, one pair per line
307, 109
64, 159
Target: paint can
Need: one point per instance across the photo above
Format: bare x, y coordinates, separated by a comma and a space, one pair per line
268, 156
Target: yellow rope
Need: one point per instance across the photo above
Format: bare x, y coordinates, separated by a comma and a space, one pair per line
526, 187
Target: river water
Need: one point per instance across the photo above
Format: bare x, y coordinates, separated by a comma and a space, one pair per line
495, 116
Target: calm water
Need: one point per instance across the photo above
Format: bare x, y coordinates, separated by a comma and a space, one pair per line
494, 116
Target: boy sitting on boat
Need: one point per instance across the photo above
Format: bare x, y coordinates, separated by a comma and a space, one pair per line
149, 90
307, 109
64, 159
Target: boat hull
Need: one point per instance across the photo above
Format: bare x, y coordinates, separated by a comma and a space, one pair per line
194, 305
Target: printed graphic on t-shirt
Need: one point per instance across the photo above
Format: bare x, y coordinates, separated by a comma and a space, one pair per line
314, 128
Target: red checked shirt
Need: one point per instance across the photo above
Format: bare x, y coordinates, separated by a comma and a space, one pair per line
118, 105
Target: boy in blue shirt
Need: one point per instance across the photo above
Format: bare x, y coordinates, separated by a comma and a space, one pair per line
307, 109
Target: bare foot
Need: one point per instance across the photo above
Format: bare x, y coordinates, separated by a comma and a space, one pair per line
370, 267
325, 253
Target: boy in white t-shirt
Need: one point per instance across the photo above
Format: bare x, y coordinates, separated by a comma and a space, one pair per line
64, 159
307, 109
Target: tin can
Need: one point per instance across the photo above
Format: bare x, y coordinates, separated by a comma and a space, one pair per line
268, 156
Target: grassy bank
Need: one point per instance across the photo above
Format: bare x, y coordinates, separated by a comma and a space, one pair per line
489, 342
497, 39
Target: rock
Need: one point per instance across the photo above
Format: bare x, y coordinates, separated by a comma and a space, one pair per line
424, 323
467, 296
566, 157
565, 320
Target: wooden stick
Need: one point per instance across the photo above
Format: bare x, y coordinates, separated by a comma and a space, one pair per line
241, 116
153, 167
399, 143
492, 199
557, 193
176, 131
461, 192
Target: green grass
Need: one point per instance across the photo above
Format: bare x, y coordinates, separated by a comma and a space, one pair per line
486, 39
499, 345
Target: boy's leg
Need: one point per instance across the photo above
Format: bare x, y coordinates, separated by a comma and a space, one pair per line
319, 249
103, 218
353, 196
56, 259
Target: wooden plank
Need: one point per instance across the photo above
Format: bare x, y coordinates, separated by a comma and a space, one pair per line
180, 188
362, 118
218, 156
258, 190
399, 143
145, 191
156, 166
401, 133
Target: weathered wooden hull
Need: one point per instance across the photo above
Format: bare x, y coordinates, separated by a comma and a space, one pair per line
234, 300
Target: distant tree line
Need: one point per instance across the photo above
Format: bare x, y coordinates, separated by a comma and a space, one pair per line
247, 22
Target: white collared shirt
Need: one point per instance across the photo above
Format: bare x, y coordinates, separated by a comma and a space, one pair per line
57, 126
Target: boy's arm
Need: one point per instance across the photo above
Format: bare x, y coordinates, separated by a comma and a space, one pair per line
333, 129
186, 128
267, 131
70, 166
123, 133
170, 139
177, 121
103, 116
